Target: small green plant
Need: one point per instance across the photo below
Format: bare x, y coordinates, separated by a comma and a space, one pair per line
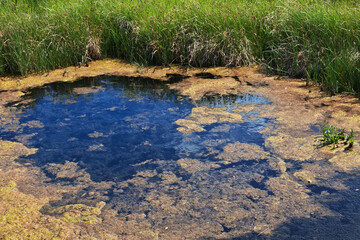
333, 135
349, 139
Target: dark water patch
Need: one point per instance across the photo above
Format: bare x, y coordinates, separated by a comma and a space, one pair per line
236, 78
175, 78
317, 189
261, 186
257, 84
207, 75
225, 229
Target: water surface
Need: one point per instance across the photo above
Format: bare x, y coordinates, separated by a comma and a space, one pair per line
115, 139
107, 125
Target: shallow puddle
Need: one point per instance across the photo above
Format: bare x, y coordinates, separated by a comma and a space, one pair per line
162, 165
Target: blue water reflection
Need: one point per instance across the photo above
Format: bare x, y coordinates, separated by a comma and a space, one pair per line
109, 124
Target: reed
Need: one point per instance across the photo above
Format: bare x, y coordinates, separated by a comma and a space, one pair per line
315, 40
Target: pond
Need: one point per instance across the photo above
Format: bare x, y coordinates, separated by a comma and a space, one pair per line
166, 165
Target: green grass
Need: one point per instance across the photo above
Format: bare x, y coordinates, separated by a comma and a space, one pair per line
318, 40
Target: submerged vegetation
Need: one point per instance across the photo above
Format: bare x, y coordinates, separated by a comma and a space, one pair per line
317, 40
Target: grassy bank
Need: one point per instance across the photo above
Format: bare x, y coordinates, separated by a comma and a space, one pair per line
317, 40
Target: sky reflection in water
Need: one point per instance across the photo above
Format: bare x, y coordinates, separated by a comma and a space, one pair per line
108, 125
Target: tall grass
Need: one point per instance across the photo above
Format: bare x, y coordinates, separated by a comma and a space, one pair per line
314, 39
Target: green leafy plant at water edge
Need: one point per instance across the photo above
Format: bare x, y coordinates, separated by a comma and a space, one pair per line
349, 139
333, 135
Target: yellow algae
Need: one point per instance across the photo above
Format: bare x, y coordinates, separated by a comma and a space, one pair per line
111, 67
205, 115
201, 116
213, 142
348, 161
21, 219
246, 108
296, 198
169, 177
196, 88
188, 126
76, 213
235, 152
282, 165
147, 173
66, 170
194, 165
288, 147
13, 150
279, 164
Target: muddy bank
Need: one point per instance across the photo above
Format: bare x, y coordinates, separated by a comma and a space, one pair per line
286, 187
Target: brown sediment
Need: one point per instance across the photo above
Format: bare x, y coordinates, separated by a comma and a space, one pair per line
193, 165
294, 148
348, 161
234, 152
76, 213
306, 176
25, 138
9, 118
9, 96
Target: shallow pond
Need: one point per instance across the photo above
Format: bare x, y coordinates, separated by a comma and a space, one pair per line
110, 125
167, 166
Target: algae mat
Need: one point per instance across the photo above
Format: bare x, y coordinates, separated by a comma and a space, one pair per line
115, 152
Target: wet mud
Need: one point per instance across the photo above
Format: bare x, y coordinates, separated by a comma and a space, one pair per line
168, 153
